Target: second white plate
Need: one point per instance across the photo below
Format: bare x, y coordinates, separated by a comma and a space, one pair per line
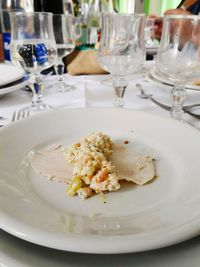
9, 73
15, 86
160, 79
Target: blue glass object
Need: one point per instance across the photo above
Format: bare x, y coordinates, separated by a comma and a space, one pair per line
41, 53
6, 43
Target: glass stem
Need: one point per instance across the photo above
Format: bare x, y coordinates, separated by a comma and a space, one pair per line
119, 85
178, 95
59, 69
37, 100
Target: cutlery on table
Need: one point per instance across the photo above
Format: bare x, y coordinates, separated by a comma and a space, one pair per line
186, 108
20, 114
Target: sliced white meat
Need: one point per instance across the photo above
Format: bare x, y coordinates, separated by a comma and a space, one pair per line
51, 163
131, 165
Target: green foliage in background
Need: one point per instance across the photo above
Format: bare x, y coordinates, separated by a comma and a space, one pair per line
162, 5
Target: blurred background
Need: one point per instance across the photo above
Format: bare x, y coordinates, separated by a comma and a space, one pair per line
157, 7
86, 14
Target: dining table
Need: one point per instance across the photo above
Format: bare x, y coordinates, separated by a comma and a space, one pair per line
90, 92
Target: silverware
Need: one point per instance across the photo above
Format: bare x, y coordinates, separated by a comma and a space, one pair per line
20, 114
186, 108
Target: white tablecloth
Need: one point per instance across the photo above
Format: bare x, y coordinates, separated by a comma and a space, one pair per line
91, 93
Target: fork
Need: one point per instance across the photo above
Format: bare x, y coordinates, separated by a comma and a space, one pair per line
20, 114
186, 109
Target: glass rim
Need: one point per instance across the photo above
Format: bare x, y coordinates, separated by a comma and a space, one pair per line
123, 14
63, 15
182, 16
19, 12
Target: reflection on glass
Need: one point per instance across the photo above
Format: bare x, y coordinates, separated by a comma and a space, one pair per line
33, 48
121, 51
179, 55
64, 36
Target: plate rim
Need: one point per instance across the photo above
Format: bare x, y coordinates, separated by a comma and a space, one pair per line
15, 87
18, 77
153, 78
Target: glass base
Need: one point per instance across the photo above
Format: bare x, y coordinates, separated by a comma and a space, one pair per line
107, 81
64, 87
40, 107
118, 103
176, 114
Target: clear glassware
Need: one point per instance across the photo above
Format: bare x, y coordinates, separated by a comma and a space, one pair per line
63, 27
121, 50
124, 6
149, 32
33, 49
179, 56
68, 7
6, 6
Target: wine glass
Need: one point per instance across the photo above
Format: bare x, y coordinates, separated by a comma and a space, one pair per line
33, 48
64, 35
149, 32
179, 56
68, 7
121, 50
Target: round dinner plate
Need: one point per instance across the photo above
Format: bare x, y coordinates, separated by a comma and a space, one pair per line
9, 73
135, 218
15, 86
163, 81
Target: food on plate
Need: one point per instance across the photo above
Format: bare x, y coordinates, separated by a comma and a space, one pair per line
131, 165
94, 165
50, 162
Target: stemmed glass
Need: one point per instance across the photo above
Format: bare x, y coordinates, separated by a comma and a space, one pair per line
121, 51
149, 32
179, 56
64, 32
33, 48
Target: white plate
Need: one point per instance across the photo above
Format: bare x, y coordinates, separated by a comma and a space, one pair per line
9, 73
136, 218
16, 86
160, 79
15, 252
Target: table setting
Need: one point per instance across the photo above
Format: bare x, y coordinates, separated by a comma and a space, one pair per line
144, 107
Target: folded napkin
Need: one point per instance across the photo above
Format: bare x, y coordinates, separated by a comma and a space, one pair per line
83, 62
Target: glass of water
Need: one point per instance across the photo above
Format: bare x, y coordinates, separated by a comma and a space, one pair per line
64, 32
179, 56
33, 49
149, 32
121, 51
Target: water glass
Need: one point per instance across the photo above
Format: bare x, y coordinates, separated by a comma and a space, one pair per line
179, 56
64, 33
121, 51
149, 32
33, 49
